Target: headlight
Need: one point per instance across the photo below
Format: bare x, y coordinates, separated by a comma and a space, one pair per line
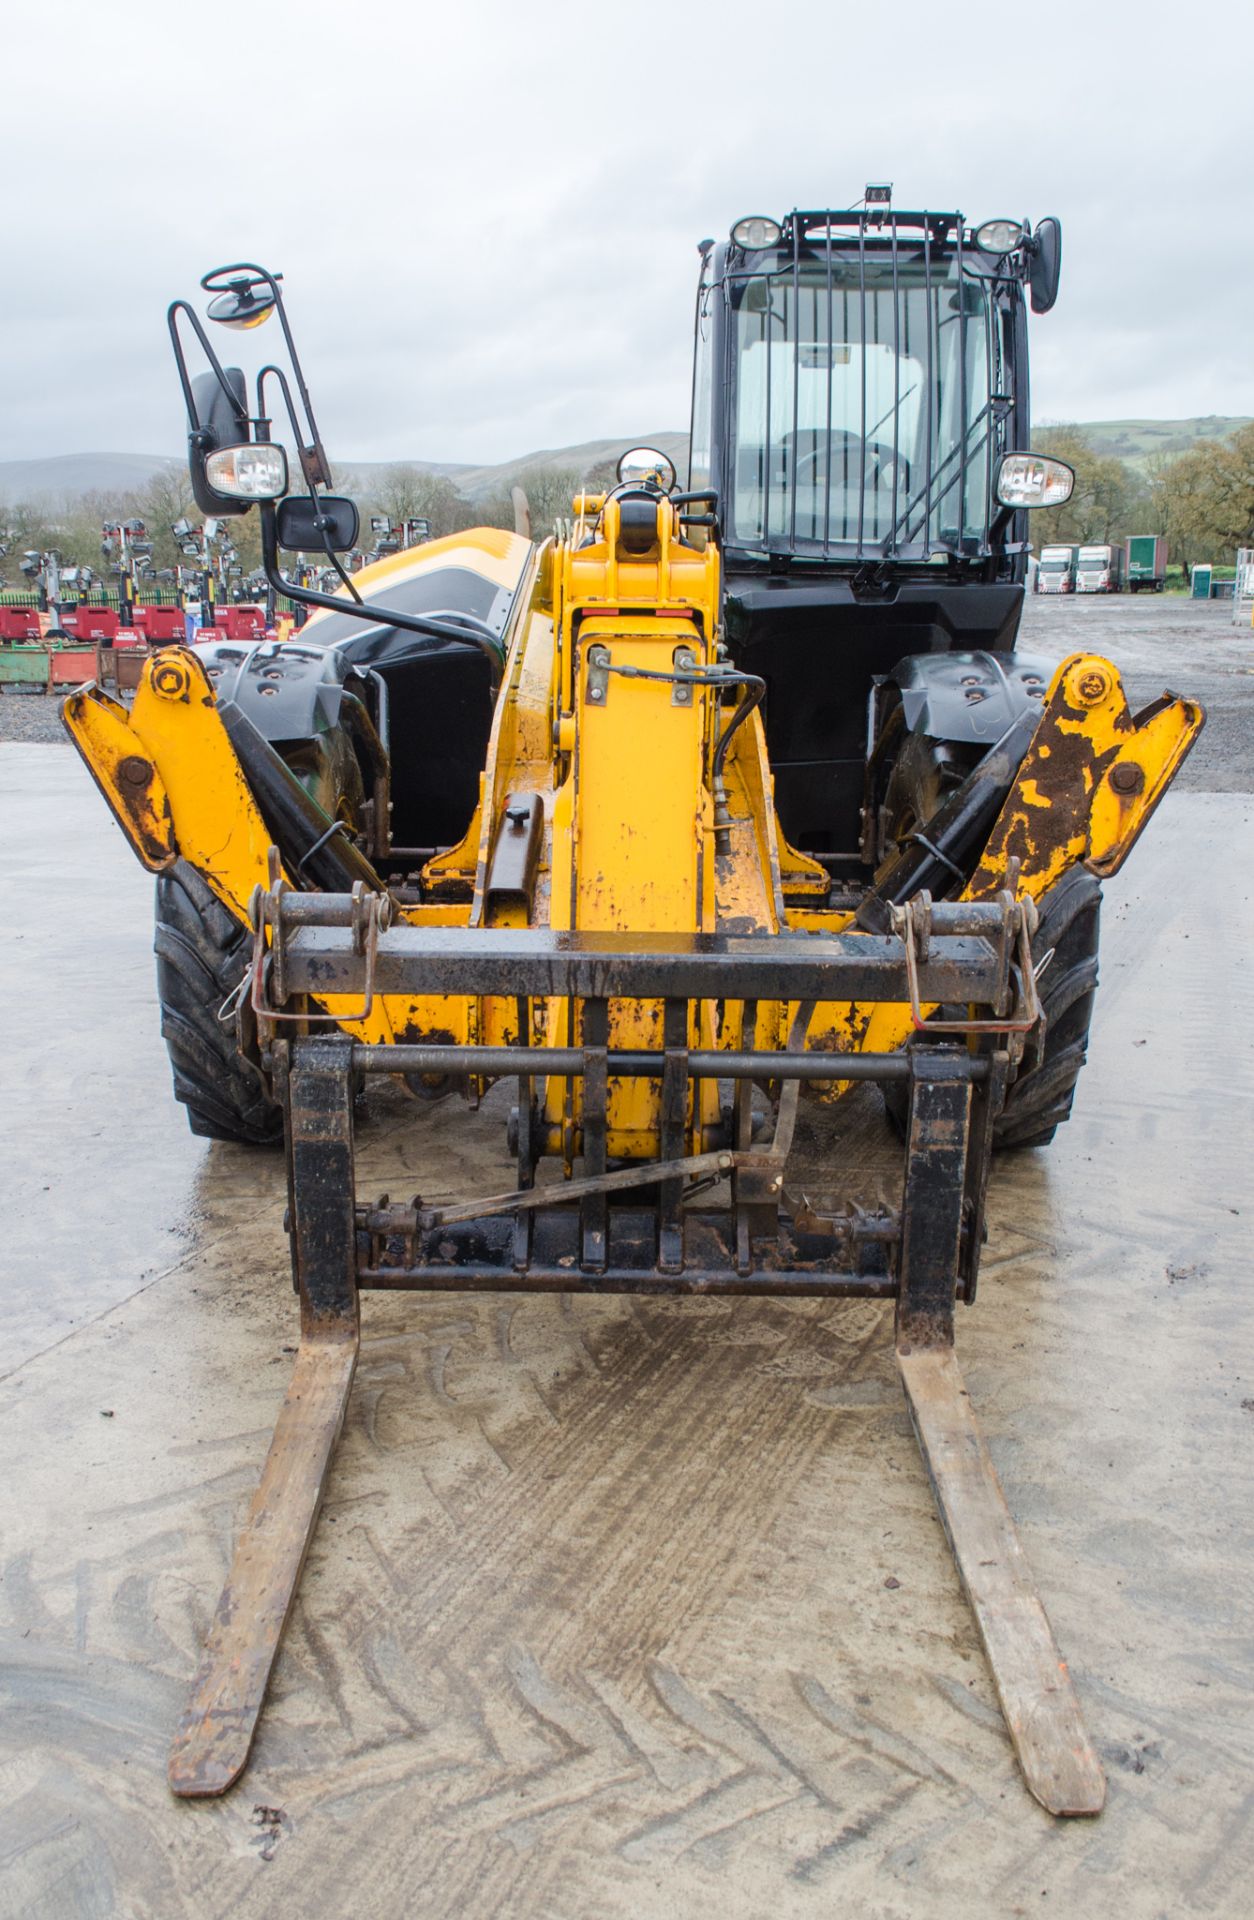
755, 230
999, 236
248, 473
1033, 480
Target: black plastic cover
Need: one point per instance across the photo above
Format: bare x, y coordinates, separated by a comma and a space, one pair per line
970, 698
221, 421
289, 691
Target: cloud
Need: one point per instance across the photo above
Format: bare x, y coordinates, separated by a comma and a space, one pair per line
487, 216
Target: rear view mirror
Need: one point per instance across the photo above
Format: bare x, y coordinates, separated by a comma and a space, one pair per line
643, 465
1046, 264
221, 415
307, 525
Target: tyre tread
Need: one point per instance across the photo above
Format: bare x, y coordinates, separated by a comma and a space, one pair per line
1040, 1101
202, 953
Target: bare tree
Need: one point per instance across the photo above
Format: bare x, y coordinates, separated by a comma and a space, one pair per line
407, 492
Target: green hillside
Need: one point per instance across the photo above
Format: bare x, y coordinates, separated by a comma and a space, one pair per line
1136, 441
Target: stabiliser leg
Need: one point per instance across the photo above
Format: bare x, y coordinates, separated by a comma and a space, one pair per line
1037, 1698
211, 1747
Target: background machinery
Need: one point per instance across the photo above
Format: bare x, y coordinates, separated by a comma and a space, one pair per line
727, 793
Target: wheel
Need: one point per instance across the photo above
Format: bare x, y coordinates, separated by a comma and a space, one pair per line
924, 774
1040, 1099
202, 953
1070, 914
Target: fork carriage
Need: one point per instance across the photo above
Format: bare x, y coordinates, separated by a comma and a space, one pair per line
595, 1231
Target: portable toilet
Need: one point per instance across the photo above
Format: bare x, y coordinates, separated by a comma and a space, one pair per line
1201, 576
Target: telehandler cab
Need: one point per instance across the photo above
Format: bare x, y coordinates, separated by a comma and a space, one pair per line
727, 789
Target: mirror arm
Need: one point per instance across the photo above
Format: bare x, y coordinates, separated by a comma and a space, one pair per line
278, 374
338, 564
475, 635
180, 358
313, 457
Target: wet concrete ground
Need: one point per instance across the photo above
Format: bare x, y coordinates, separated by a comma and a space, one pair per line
1165, 640
620, 1608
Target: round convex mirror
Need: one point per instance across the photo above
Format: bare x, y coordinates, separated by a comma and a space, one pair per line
643, 464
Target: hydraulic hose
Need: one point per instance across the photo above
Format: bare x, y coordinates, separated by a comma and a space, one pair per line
754, 690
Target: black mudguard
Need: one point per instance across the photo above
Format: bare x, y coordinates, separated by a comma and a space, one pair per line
290, 692
307, 703
969, 699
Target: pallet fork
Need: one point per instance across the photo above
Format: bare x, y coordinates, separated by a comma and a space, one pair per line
573, 1239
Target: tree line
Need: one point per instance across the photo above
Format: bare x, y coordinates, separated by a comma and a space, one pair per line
1201, 499
72, 526
404, 491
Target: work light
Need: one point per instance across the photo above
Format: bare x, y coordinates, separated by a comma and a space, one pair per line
248, 473
755, 230
999, 236
1033, 480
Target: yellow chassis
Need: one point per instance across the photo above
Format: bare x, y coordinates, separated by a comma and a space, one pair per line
622, 767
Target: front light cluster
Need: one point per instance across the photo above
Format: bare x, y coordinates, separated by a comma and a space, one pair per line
248, 473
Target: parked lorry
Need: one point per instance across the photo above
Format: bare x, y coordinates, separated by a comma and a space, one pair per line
1100, 569
1147, 562
1055, 571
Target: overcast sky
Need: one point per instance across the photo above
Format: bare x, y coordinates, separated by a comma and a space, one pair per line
487, 214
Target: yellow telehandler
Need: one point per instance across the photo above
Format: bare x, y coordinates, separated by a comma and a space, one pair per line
724, 793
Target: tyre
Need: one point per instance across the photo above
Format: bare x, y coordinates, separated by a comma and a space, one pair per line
1040, 1099
1070, 915
202, 954
923, 776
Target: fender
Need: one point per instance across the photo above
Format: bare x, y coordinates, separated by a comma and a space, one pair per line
290, 691
301, 700
969, 699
